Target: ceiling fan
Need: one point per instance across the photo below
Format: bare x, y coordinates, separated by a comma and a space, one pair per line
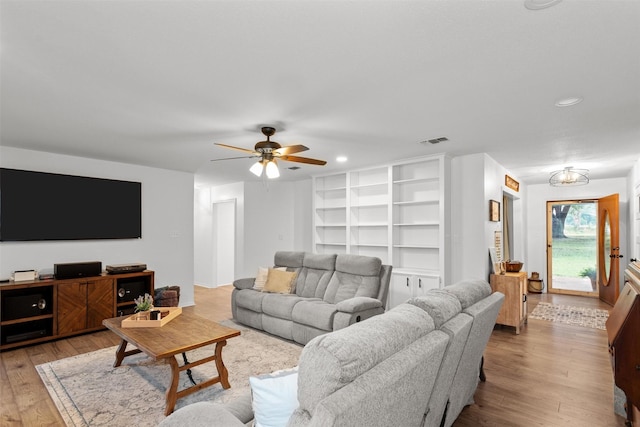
269, 151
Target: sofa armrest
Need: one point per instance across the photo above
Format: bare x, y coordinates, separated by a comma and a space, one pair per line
246, 283
357, 304
201, 414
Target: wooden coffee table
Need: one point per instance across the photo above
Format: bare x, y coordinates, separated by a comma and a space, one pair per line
185, 332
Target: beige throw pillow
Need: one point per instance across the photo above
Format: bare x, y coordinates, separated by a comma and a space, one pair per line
261, 277
281, 282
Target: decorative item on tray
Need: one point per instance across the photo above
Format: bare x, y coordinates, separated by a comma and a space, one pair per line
513, 266
143, 303
155, 318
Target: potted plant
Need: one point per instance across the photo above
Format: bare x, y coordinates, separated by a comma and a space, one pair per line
589, 272
143, 303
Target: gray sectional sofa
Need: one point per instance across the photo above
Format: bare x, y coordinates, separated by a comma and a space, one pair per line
417, 364
331, 292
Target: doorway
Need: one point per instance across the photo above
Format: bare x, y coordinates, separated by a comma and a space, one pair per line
224, 238
572, 244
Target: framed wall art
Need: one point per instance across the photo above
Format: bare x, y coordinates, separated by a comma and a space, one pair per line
494, 210
511, 183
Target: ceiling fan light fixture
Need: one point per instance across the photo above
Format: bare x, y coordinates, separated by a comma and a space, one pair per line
272, 170
569, 176
256, 169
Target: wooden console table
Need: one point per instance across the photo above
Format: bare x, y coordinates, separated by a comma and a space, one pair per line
514, 308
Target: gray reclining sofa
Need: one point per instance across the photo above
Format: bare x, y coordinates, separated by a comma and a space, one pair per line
331, 292
416, 365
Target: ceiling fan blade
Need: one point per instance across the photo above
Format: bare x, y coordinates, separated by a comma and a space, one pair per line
234, 148
303, 160
233, 158
290, 149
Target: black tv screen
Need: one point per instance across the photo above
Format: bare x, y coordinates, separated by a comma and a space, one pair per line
48, 206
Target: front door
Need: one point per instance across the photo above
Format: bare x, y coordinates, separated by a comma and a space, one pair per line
608, 249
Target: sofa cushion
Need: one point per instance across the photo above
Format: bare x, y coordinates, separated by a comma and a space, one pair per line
469, 292
316, 313
358, 264
274, 397
280, 305
320, 261
315, 274
282, 282
355, 276
440, 306
288, 259
331, 361
249, 299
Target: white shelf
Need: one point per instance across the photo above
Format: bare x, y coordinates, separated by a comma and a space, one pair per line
372, 245
417, 224
415, 180
331, 208
328, 190
373, 185
331, 244
331, 225
416, 202
382, 224
416, 246
369, 205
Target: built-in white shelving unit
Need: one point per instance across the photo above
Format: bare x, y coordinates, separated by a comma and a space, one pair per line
330, 214
396, 212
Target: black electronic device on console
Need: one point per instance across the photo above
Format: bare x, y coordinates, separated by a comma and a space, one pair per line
125, 268
73, 270
131, 288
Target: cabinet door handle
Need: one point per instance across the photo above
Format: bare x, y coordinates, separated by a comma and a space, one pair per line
407, 281
419, 283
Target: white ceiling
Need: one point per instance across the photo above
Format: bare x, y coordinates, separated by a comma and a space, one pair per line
158, 82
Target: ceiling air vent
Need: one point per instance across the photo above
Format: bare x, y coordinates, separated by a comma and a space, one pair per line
435, 140
294, 168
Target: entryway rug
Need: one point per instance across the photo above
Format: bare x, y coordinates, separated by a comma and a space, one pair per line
89, 391
577, 316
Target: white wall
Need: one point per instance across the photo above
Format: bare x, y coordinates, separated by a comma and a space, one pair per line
476, 179
536, 205
269, 217
204, 243
167, 210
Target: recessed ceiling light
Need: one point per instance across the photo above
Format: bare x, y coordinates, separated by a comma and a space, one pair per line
341, 159
568, 102
540, 4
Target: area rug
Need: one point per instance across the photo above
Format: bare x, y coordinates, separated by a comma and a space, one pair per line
577, 316
89, 391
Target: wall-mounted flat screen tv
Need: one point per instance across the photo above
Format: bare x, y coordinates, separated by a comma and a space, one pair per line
48, 206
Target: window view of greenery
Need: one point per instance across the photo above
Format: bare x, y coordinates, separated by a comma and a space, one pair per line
574, 244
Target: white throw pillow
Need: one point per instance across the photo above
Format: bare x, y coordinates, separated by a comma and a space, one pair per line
261, 278
274, 397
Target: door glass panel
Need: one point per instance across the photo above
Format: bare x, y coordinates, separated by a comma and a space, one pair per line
606, 237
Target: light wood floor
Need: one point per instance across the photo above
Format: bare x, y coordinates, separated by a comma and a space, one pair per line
549, 375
